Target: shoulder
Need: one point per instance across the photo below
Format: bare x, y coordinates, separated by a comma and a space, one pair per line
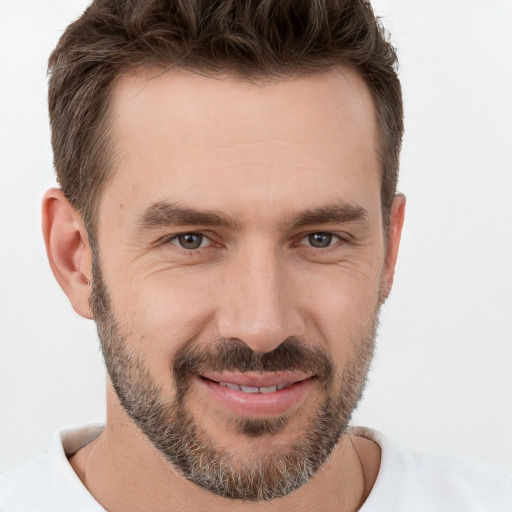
425, 482
49, 482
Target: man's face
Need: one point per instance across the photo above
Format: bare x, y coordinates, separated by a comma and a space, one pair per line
239, 273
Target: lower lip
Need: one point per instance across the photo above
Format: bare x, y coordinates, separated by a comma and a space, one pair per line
258, 405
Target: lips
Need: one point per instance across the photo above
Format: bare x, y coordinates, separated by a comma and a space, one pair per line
254, 394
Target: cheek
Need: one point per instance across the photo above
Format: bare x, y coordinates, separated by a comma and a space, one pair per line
160, 313
161, 309
343, 305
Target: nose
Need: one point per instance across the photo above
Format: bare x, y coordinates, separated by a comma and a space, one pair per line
259, 304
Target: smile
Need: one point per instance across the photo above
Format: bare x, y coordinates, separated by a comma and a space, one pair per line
258, 395
250, 389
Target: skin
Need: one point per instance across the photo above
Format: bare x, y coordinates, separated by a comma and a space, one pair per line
261, 155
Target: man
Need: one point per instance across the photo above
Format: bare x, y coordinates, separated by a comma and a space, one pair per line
228, 216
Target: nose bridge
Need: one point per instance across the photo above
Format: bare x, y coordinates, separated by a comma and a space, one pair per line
259, 310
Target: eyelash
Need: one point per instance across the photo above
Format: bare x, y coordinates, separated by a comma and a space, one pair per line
337, 238
173, 239
333, 237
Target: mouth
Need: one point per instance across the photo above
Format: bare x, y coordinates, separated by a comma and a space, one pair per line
253, 389
257, 395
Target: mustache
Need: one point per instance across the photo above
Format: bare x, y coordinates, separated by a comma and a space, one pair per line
233, 355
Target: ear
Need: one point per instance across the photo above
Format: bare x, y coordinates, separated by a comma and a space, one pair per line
396, 222
68, 250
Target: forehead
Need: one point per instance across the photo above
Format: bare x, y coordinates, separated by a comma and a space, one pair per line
225, 142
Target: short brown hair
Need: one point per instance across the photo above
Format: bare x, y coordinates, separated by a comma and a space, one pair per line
250, 39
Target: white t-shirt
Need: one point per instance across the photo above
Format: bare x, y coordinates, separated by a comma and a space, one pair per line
408, 481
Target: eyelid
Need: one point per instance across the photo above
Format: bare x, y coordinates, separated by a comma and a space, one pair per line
204, 241
342, 237
169, 239
338, 237
334, 239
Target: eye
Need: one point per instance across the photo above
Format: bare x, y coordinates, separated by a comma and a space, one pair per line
320, 240
191, 241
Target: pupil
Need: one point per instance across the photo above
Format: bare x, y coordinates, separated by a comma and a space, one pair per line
320, 240
190, 241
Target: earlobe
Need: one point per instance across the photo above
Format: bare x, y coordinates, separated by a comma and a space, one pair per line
396, 222
68, 250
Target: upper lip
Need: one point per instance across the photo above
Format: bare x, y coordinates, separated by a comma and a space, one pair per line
257, 379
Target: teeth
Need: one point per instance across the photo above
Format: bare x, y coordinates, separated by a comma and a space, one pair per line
251, 389
234, 387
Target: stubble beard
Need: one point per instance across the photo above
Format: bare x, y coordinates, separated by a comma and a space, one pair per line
183, 441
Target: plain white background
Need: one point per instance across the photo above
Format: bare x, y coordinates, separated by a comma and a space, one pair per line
442, 377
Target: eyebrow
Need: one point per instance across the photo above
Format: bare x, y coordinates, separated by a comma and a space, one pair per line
163, 213
170, 214
334, 213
